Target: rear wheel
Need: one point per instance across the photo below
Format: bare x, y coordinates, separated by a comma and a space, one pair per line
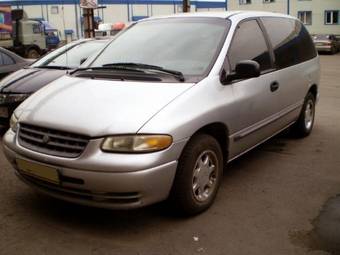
304, 125
198, 177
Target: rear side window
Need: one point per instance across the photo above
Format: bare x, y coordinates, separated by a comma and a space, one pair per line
5, 59
291, 41
249, 44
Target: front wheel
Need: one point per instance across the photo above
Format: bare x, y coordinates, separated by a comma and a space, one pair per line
32, 53
198, 177
304, 125
334, 50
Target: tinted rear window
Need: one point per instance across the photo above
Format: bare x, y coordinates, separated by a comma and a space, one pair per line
291, 41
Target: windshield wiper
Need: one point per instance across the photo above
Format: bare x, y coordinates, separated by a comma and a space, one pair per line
105, 68
55, 67
177, 74
132, 67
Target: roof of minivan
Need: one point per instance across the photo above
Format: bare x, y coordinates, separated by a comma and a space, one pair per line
226, 14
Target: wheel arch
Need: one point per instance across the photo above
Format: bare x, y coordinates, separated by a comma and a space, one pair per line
220, 132
314, 90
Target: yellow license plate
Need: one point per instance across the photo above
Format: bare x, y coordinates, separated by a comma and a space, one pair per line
41, 172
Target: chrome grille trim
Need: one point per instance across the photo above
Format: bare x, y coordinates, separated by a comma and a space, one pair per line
51, 142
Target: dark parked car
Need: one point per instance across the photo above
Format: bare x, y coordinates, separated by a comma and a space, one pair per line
328, 43
10, 62
16, 87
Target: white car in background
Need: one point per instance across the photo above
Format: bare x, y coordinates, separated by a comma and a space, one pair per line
109, 29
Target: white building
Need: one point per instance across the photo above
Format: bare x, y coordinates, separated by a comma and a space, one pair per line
319, 16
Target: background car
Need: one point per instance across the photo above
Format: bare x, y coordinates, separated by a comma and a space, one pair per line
10, 62
15, 88
326, 42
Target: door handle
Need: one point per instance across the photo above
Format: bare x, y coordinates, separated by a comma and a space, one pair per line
274, 86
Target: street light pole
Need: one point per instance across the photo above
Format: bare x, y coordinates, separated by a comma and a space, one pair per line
288, 7
186, 5
88, 6
88, 23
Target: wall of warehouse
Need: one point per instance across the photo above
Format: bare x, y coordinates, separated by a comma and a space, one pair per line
317, 9
259, 5
68, 16
125, 13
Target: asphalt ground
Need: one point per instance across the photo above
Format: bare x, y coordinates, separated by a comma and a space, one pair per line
280, 198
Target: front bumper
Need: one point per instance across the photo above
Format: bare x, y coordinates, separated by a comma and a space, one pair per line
325, 48
123, 182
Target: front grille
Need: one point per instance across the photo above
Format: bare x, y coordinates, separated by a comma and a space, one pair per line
51, 142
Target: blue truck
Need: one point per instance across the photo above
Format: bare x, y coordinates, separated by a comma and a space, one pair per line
51, 34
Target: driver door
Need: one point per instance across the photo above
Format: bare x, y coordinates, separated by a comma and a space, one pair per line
254, 100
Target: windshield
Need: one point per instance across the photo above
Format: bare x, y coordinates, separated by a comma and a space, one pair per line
70, 55
186, 45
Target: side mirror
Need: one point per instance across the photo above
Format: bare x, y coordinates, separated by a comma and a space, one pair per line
82, 60
244, 69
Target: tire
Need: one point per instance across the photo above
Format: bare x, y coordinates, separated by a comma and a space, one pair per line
334, 50
32, 53
304, 125
197, 181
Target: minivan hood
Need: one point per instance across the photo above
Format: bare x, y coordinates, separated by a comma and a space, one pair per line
29, 80
97, 107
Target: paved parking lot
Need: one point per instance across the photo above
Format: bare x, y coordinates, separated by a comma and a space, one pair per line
269, 203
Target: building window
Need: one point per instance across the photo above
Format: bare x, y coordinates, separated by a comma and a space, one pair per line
331, 17
54, 9
268, 1
305, 17
245, 2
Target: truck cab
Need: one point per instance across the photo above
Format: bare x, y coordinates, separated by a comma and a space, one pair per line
31, 36
21, 35
52, 35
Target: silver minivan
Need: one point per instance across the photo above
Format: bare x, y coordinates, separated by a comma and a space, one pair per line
163, 108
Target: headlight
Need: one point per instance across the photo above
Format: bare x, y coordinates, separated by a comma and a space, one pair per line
136, 143
13, 123
13, 98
